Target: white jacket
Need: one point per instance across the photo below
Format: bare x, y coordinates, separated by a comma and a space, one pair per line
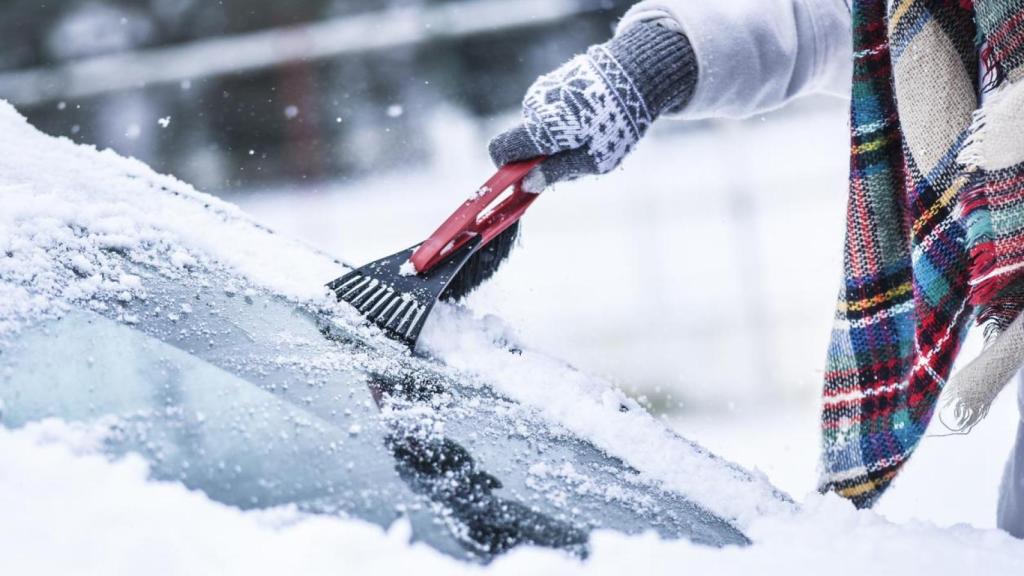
756, 55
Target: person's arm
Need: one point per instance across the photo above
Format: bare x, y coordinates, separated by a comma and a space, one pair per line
691, 58
757, 55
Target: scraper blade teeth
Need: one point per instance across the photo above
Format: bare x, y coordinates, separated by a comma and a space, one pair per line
413, 328
343, 284
385, 312
370, 296
356, 295
406, 324
351, 290
397, 302
396, 318
374, 304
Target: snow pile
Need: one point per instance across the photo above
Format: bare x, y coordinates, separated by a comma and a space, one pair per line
68, 511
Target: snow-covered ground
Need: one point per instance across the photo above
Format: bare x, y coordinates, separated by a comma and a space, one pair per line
68, 510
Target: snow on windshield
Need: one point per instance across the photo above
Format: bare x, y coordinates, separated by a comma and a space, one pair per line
69, 215
67, 228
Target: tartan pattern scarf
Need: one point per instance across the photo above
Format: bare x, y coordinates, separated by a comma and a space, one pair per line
935, 222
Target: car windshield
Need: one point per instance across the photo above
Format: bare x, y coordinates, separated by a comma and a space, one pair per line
260, 402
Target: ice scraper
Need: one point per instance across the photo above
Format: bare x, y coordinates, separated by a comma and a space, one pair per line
397, 293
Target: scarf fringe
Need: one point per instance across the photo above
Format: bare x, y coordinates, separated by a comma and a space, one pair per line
972, 391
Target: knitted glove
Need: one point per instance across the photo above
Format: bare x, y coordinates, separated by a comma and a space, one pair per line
590, 113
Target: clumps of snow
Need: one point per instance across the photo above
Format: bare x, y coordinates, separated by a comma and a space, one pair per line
181, 259
596, 410
407, 269
55, 493
71, 214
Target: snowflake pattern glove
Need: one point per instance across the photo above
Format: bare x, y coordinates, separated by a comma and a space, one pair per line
590, 113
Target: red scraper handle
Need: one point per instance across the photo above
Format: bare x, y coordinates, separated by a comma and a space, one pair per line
477, 216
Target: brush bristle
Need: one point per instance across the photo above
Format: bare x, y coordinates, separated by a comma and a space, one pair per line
482, 265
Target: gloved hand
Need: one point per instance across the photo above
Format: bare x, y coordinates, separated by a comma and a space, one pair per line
590, 113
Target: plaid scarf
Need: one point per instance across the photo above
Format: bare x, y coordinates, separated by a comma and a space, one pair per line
935, 222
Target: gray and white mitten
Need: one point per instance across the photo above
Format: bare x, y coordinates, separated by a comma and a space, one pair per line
589, 114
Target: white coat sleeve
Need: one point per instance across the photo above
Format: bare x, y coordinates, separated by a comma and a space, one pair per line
756, 55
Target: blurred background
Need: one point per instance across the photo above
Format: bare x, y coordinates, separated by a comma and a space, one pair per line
700, 277
259, 93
